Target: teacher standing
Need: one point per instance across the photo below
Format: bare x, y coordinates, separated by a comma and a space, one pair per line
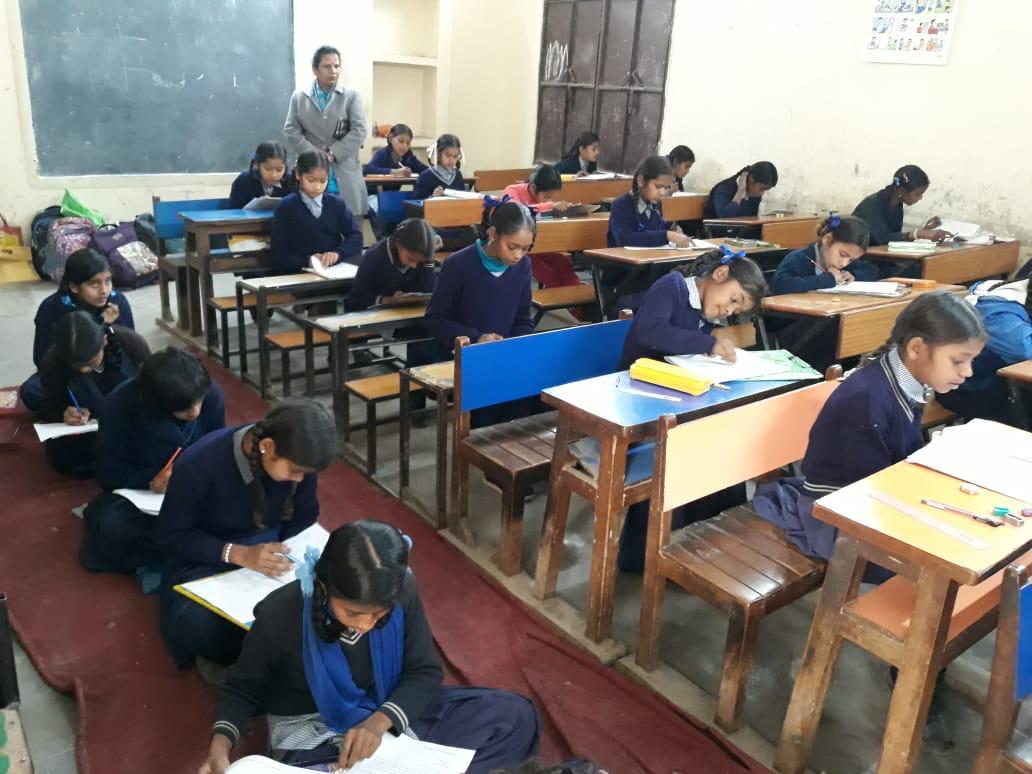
329, 117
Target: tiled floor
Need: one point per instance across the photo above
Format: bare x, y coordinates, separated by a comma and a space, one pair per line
692, 638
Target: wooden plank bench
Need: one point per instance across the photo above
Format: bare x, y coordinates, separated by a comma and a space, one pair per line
515, 455
224, 305
736, 562
373, 390
568, 297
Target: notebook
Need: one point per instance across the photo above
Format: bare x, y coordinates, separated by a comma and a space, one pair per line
49, 430
748, 366
453, 193
339, 271
144, 499
883, 289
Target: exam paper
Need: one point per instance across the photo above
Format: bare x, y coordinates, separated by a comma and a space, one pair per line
886, 289
960, 228
260, 203
454, 193
339, 270
747, 365
50, 430
144, 499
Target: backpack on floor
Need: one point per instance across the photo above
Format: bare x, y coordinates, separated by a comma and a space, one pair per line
64, 237
38, 236
133, 264
147, 231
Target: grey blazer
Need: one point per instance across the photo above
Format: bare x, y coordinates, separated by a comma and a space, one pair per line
308, 128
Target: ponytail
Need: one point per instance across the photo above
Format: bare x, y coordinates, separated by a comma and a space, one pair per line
583, 141
848, 230
507, 217
418, 236
905, 179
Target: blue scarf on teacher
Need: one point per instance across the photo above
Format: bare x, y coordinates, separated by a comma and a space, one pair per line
322, 101
341, 703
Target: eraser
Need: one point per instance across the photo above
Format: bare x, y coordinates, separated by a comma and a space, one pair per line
1001, 510
1027, 513
970, 489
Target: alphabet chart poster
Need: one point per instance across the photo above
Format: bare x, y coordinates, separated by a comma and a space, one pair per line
910, 31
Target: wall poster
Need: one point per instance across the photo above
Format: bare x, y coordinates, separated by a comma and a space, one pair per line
910, 31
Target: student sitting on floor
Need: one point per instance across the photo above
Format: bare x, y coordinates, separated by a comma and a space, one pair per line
883, 213
148, 420
395, 158
550, 270
681, 159
85, 285
345, 655
1004, 309
676, 318
636, 220
399, 264
834, 259
265, 177
85, 362
233, 496
313, 223
582, 158
740, 195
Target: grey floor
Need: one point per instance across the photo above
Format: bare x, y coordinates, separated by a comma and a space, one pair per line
692, 636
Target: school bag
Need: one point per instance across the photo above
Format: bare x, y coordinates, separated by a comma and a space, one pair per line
133, 264
64, 237
38, 236
147, 231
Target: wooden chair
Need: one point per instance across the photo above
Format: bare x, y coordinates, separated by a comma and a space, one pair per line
736, 562
498, 179
1003, 748
516, 454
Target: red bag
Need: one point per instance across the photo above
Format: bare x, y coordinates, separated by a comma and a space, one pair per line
10, 236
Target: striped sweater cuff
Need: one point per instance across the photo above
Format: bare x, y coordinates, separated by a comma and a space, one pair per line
397, 716
227, 729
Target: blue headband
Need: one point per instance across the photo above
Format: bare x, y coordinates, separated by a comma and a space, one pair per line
729, 255
834, 222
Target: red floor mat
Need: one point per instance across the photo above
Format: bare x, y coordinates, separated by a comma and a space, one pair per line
97, 635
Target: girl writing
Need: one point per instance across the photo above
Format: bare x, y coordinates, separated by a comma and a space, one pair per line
267, 176
681, 159
444, 171
582, 158
740, 195
396, 157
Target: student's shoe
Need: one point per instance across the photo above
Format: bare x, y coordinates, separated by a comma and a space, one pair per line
422, 420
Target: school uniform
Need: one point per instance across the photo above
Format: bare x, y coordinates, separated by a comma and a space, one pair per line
430, 179
312, 691
302, 226
134, 443
633, 222
885, 220
381, 274
75, 454
872, 421
551, 270
721, 205
571, 165
985, 395
668, 322
383, 163
815, 341
209, 503
248, 185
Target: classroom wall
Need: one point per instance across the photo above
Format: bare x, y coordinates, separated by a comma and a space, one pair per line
784, 81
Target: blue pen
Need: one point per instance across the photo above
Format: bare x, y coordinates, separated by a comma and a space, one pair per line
74, 401
291, 558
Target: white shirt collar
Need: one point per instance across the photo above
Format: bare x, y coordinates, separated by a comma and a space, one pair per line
913, 389
694, 299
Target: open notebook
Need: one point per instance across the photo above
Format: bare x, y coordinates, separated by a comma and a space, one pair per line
49, 430
144, 499
234, 594
339, 270
772, 366
883, 289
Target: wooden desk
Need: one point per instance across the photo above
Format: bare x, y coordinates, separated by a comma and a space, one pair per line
938, 563
757, 221
959, 264
1018, 372
200, 226
864, 322
791, 234
446, 212
438, 380
380, 180
593, 191
684, 206
564, 235
1019, 381
595, 408
497, 179
261, 287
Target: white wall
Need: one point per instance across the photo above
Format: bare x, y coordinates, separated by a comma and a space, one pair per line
782, 81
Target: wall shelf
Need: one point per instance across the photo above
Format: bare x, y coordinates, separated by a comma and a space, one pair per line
405, 60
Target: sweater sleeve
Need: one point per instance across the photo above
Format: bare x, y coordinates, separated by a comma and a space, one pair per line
285, 256
365, 290
133, 344
425, 185
174, 530
623, 225
44, 325
796, 275
53, 377
119, 466
523, 322
881, 232
652, 327
377, 165
1010, 332
306, 507
438, 319
238, 193
723, 204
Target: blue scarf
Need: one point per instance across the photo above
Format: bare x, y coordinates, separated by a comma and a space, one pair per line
493, 265
342, 704
322, 101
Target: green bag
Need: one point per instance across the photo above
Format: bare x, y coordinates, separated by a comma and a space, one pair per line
71, 206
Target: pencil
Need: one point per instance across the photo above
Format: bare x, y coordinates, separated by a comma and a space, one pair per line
171, 459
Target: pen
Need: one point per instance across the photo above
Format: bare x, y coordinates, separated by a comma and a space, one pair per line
632, 391
74, 401
289, 557
990, 520
176, 453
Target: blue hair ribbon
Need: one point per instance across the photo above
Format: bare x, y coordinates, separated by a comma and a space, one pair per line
834, 222
491, 203
305, 571
729, 255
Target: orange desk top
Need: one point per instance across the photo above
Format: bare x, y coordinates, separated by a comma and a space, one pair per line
1018, 372
658, 254
759, 220
829, 305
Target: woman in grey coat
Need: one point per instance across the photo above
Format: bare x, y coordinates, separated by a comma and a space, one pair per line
330, 117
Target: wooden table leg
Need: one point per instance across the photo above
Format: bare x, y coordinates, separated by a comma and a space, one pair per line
310, 360
241, 334
339, 351
261, 310
441, 461
404, 419
922, 659
822, 649
207, 287
557, 508
608, 521
193, 284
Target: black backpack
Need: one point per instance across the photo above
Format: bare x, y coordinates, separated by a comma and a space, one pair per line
38, 237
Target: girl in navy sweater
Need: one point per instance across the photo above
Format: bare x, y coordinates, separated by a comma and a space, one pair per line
312, 223
396, 157
233, 497
874, 419
86, 285
265, 177
676, 318
444, 170
681, 159
834, 259
345, 655
397, 265
148, 421
582, 158
740, 195
85, 362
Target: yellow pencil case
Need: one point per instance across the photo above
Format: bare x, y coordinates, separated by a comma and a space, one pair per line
666, 375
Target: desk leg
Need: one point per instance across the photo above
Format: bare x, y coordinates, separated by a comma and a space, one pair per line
339, 352
922, 658
557, 509
193, 286
1018, 410
761, 326
441, 462
404, 418
344, 350
241, 334
822, 650
596, 280
608, 520
310, 360
207, 289
261, 310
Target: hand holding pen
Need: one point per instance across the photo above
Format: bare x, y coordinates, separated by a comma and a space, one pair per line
75, 414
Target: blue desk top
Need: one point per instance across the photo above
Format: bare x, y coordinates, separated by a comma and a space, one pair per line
214, 216
600, 397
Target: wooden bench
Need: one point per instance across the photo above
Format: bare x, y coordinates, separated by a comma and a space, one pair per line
568, 297
593, 191
498, 179
287, 342
373, 390
936, 414
514, 455
736, 561
1004, 747
225, 305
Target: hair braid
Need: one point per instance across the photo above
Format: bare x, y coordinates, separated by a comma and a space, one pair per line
257, 485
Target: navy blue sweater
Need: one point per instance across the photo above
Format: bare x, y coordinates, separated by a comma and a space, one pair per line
470, 301
382, 162
208, 504
630, 228
883, 218
58, 304
380, 274
720, 204
428, 181
248, 186
797, 273
571, 165
666, 324
297, 234
135, 441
